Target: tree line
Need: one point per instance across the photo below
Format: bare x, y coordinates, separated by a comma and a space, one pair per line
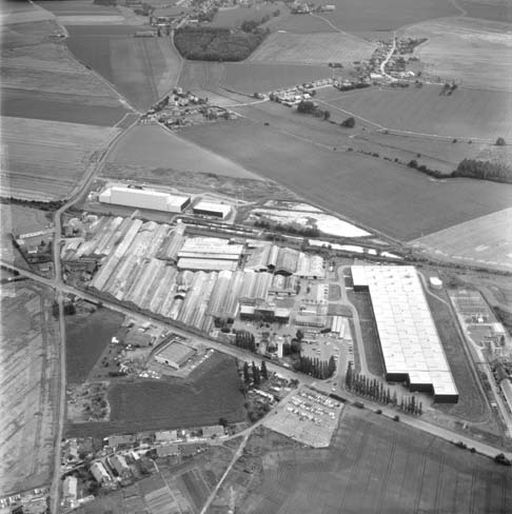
315, 367
255, 374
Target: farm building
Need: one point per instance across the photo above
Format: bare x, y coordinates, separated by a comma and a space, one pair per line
70, 490
100, 473
119, 465
410, 345
213, 209
144, 199
174, 354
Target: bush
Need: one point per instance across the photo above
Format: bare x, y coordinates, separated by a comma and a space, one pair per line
349, 122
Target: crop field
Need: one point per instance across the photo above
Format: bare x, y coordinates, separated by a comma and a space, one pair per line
476, 53
46, 159
358, 16
22, 12
154, 147
485, 241
395, 200
30, 367
41, 79
299, 24
140, 68
377, 465
466, 114
247, 77
313, 48
87, 335
208, 394
497, 10
234, 17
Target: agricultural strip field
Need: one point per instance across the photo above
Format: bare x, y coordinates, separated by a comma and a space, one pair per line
152, 147
247, 77
357, 16
485, 241
479, 55
393, 199
45, 160
142, 69
467, 113
312, 48
377, 465
42, 80
87, 335
210, 393
29, 362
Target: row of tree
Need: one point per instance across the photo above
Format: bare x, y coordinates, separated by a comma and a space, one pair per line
245, 339
315, 367
374, 390
255, 374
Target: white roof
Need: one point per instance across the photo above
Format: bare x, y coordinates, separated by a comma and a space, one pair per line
408, 336
213, 206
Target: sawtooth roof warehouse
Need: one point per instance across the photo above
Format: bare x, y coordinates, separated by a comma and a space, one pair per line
411, 347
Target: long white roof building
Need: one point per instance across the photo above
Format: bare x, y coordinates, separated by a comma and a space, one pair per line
410, 344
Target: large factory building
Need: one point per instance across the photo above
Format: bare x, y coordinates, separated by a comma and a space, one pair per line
212, 209
144, 199
410, 345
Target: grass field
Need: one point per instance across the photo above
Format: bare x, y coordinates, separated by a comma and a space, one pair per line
247, 77
210, 393
46, 159
497, 10
395, 200
153, 147
377, 465
484, 241
234, 17
312, 48
466, 114
87, 335
30, 367
476, 53
141, 69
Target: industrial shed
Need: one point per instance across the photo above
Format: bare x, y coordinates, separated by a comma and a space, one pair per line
213, 209
410, 345
144, 199
174, 354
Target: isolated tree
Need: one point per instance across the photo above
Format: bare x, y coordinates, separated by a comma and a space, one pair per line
306, 107
247, 377
255, 374
349, 122
327, 115
500, 142
264, 372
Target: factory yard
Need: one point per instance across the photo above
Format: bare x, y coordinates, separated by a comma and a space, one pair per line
29, 386
358, 187
48, 159
375, 464
307, 417
317, 48
211, 392
478, 55
484, 241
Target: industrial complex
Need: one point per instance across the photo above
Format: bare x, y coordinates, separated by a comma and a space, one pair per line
410, 345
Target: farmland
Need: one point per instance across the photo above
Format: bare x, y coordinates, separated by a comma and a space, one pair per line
497, 10
247, 77
153, 147
29, 385
485, 241
234, 17
358, 187
87, 335
375, 465
360, 16
208, 394
312, 48
467, 113
41, 79
478, 56
142, 69
47, 159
